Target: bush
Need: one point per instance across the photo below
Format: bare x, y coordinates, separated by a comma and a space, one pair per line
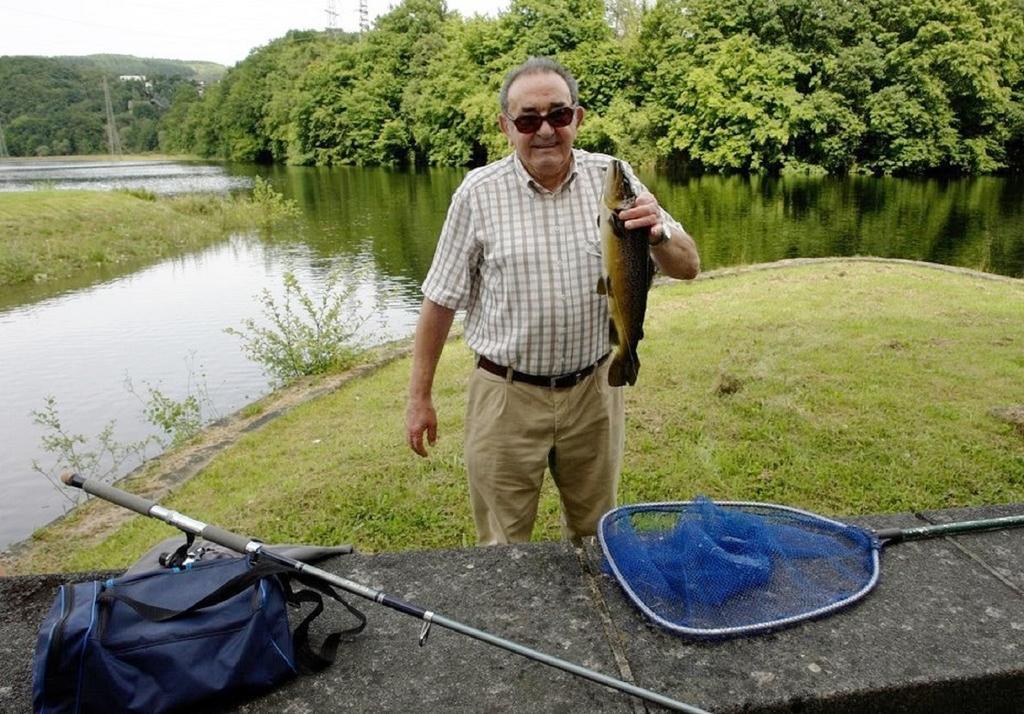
179, 420
273, 206
305, 335
99, 458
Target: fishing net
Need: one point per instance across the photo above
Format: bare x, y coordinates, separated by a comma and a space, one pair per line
722, 569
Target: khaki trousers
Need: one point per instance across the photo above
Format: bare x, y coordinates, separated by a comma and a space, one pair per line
515, 430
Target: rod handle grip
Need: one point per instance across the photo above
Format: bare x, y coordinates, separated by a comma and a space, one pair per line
109, 493
235, 542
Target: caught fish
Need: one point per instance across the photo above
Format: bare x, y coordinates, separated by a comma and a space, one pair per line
628, 273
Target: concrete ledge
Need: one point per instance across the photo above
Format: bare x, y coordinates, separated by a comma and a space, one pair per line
943, 631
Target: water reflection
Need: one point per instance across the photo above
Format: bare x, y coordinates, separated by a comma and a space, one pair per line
974, 222
394, 216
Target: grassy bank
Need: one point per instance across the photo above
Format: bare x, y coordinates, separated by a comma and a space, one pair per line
48, 235
841, 387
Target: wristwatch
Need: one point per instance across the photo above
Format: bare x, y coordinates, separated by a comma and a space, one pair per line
666, 234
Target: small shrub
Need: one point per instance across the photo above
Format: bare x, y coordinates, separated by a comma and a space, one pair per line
103, 457
98, 459
179, 420
306, 334
273, 206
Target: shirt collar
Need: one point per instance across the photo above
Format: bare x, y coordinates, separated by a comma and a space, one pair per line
527, 181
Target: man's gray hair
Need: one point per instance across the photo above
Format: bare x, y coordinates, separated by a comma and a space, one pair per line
538, 65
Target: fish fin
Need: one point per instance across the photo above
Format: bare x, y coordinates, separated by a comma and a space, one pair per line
623, 368
613, 334
632, 366
602, 285
618, 225
615, 375
651, 270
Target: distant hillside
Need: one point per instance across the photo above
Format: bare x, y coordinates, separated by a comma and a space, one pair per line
55, 105
206, 72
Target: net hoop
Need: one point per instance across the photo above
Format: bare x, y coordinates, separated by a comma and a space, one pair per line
737, 630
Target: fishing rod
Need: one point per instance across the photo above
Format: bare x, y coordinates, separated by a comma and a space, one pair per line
244, 545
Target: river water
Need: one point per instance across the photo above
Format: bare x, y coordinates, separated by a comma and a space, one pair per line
163, 325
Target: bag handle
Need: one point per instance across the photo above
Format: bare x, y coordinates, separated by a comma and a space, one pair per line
154, 613
308, 659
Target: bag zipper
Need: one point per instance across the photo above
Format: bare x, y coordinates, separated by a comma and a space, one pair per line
57, 638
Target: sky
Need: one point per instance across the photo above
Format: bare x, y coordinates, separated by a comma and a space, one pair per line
222, 31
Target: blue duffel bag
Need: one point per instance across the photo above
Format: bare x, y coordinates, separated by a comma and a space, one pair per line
165, 639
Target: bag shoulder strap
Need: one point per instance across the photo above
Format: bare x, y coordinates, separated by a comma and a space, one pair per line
308, 659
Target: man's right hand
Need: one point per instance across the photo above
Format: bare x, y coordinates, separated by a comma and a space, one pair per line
420, 417
431, 331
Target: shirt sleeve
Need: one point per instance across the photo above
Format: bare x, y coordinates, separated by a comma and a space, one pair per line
454, 269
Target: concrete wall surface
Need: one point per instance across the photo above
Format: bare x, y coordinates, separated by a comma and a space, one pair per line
942, 632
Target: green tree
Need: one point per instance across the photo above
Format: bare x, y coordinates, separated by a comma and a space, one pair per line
888, 86
738, 106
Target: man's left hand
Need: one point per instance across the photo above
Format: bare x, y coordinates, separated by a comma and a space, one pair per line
677, 258
645, 213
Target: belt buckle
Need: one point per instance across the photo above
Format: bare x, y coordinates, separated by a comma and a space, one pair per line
561, 381
567, 380
571, 379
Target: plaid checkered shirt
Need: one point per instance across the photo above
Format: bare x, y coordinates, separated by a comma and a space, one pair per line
524, 263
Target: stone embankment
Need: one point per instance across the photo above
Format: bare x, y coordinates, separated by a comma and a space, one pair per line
942, 632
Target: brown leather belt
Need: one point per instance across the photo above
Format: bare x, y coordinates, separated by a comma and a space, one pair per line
560, 382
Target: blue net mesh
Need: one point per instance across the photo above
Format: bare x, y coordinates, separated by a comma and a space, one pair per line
707, 569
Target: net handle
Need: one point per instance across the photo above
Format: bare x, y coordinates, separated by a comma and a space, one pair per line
896, 535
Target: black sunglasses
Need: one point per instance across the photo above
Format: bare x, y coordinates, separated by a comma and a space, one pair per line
557, 118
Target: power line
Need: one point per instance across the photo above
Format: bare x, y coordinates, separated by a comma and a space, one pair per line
3, 144
113, 138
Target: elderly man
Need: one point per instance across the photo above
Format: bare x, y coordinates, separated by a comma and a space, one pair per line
520, 253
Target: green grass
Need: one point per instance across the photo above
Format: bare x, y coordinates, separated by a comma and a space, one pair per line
844, 388
49, 235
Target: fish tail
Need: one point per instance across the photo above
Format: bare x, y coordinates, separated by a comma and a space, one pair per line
624, 367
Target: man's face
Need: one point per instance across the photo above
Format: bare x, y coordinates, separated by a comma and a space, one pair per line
546, 153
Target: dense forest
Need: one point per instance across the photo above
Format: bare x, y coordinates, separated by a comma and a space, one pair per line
56, 106
879, 86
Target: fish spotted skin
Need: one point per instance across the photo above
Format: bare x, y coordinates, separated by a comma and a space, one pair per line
628, 273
